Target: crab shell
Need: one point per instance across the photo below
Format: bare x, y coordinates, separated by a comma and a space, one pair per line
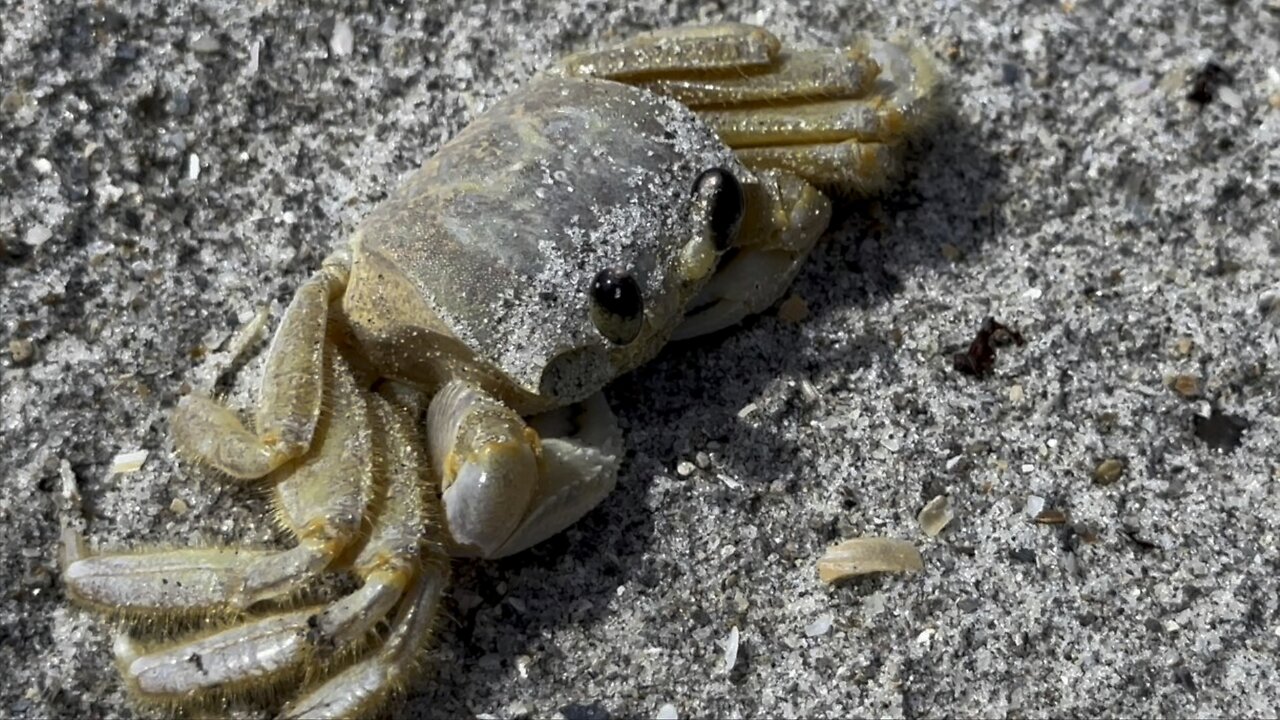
480, 265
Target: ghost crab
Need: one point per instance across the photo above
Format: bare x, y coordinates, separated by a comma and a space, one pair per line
662, 188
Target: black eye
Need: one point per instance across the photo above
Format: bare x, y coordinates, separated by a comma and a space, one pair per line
723, 194
616, 306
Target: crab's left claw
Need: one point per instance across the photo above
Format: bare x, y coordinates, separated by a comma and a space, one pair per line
506, 485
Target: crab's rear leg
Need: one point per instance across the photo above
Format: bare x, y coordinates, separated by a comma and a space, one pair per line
323, 498
834, 120
836, 117
289, 398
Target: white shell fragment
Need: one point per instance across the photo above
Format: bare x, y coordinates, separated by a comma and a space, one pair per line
730, 645
820, 626
862, 556
128, 462
342, 42
667, 712
935, 515
1034, 505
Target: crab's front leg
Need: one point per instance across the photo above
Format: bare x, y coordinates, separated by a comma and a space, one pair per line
507, 485
289, 398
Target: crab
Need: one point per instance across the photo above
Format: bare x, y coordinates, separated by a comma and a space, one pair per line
434, 390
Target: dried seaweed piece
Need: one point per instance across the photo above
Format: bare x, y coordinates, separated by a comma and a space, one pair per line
1051, 516
862, 556
980, 358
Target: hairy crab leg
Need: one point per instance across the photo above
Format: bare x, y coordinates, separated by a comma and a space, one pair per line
323, 499
406, 543
725, 47
789, 101
505, 486
413, 517
364, 686
289, 398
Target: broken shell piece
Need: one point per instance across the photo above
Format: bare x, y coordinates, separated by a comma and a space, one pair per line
128, 462
935, 515
862, 556
730, 645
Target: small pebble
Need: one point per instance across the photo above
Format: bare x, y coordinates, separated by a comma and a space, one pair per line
342, 42
22, 351
685, 468
819, 627
667, 712
206, 44
1034, 505
730, 645
128, 462
179, 507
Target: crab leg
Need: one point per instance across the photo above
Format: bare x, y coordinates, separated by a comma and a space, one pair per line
262, 652
357, 690
728, 46
289, 397
505, 487
832, 117
323, 500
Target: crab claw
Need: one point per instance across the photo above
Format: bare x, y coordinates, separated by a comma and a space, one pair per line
490, 495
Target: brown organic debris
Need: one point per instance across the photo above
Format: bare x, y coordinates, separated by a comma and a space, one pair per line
1188, 386
1051, 517
1206, 81
1108, 471
1220, 431
866, 555
980, 358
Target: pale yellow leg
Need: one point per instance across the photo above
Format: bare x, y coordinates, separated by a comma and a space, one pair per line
406, 547
289, 398
725, 47
837, 118
323, 500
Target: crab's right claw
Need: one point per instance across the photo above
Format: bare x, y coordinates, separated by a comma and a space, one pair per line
507, 487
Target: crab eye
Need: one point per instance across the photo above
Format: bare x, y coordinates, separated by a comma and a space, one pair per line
723, 194
616, 306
